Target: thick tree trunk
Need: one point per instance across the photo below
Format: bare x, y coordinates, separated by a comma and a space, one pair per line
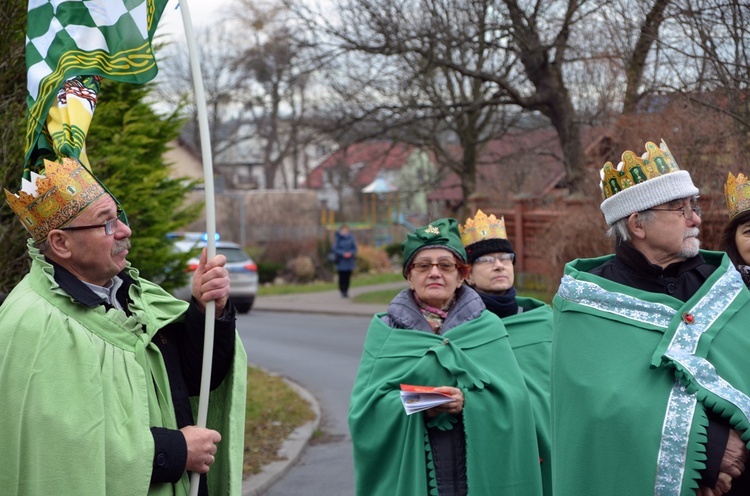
637, 62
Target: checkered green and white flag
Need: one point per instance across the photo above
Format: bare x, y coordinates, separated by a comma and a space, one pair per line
89, 38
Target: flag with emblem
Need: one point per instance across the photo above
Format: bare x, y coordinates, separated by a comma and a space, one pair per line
70, 46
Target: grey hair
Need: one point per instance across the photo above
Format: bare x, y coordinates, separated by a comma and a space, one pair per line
42, 246
619, 230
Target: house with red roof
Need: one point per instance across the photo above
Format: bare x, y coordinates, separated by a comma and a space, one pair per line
353, 178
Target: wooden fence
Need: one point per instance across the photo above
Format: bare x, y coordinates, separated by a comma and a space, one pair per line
546, 235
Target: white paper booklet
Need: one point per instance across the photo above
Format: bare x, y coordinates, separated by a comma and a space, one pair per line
418, 398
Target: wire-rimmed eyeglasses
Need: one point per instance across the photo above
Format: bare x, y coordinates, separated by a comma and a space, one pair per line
503, 258
687, 210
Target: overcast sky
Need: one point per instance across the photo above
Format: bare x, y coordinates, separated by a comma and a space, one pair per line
202, 13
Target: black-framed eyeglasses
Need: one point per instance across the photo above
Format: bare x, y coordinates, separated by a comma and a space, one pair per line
687, 210
443, 266
490, 259
109, 226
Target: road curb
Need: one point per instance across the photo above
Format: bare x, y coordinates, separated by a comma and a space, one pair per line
291, 450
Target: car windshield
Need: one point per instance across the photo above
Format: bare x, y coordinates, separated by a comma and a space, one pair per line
233, 254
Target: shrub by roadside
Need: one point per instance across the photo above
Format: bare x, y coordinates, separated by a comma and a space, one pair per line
371, 259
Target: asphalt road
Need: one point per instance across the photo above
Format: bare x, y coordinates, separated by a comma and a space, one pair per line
320, 352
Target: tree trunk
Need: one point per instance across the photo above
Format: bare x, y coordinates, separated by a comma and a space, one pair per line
637, 61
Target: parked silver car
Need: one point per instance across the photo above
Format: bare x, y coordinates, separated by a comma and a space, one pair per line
243, 271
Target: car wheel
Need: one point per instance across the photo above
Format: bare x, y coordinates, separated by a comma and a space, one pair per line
242, 306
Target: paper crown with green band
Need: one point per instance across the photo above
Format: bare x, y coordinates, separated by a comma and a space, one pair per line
640, 183
442, 233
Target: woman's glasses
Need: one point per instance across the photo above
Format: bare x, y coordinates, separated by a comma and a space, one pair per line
443, 266
491, 259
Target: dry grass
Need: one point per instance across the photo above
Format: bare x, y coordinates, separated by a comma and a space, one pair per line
273, 411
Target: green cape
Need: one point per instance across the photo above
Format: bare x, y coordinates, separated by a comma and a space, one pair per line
82, 387
530, 335
389, 446
633, 374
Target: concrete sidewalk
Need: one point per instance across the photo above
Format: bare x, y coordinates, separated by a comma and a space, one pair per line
325, 302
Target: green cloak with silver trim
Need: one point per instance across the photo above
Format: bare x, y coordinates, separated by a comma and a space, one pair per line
391, 449
633, 375
80, 389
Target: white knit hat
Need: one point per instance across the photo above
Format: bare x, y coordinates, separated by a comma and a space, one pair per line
657, 179
648, 194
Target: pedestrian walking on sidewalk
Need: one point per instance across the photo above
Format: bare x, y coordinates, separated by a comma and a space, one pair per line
345, 248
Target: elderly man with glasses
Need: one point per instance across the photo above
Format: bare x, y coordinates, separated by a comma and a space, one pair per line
650, 369
97, 365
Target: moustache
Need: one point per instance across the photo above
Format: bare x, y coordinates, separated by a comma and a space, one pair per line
692, 232
120, 246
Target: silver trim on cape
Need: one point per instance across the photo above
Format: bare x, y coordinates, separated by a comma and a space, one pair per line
681, 408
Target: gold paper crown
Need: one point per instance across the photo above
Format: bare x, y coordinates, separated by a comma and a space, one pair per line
482, 227
657, 161
52, 200
737, 194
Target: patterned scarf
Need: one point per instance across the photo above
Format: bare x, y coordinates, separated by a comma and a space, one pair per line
434, 316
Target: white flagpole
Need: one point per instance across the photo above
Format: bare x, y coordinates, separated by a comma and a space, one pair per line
208, 177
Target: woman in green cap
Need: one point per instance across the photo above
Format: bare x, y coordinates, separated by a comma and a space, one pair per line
437, 333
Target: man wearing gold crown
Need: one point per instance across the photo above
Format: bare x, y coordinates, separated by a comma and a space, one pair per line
527, 320
97, 366
650, 377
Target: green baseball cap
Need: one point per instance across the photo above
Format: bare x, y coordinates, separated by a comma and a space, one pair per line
442, 233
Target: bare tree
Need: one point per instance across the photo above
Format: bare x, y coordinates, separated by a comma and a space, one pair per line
572, 61
637, 58
277, 67
390, 81
256, 90
504, 54
717, 58
224, 88
712, 72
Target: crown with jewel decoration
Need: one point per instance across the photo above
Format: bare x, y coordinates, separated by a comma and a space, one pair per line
737, 194
51, 200
482, 227
633, 169
640, 183
484, 234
